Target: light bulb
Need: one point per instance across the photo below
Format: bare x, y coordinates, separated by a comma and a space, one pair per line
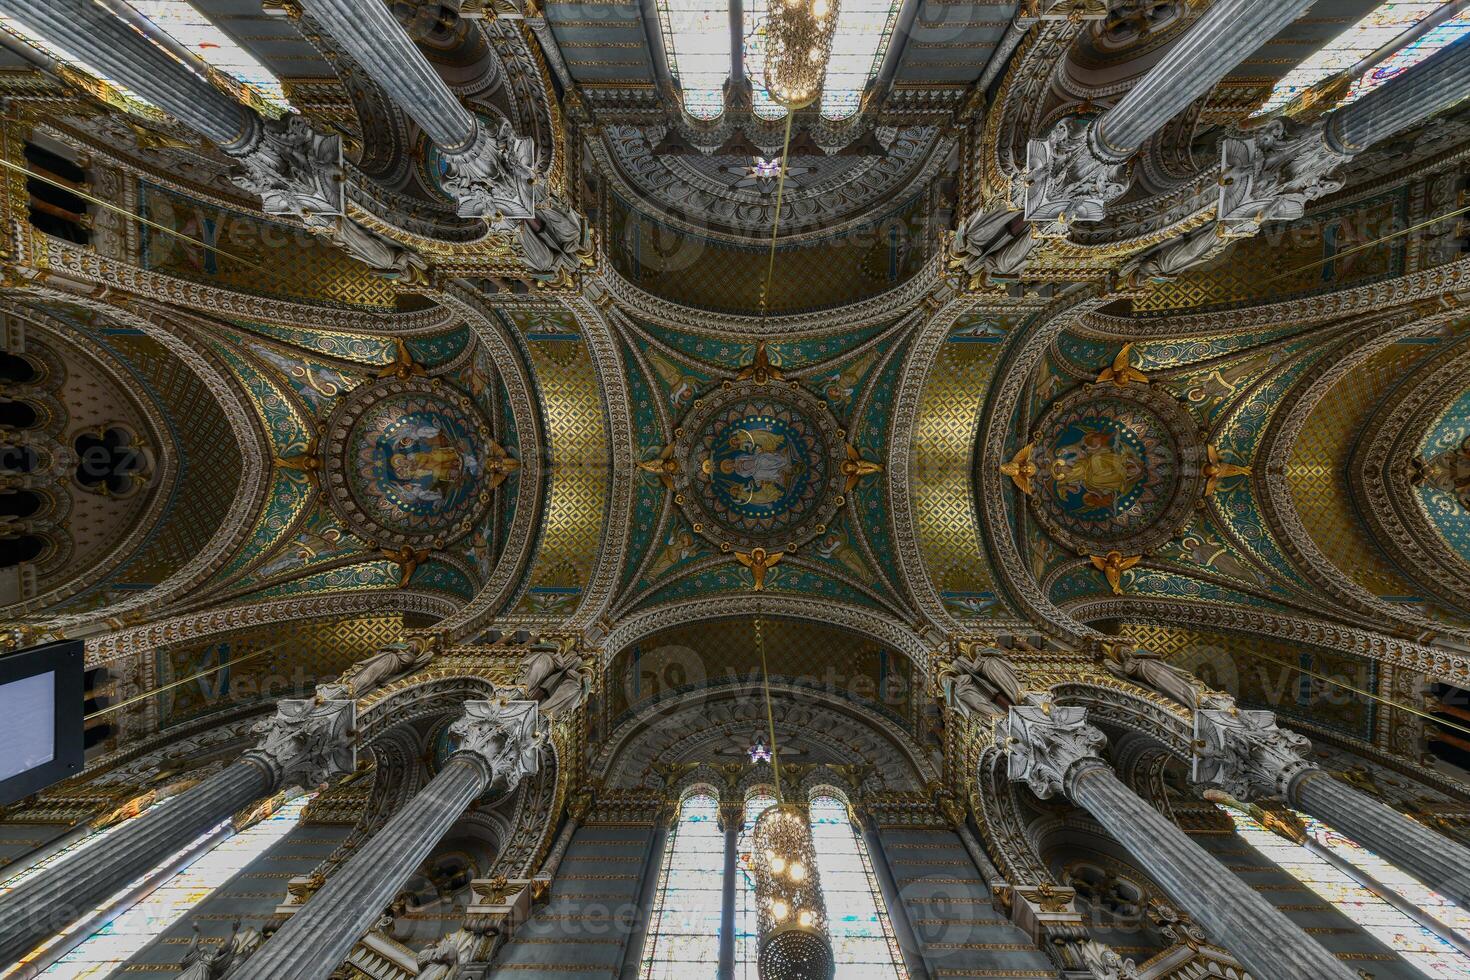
779, 910
778, 864
805, 918
798, 872
819, 9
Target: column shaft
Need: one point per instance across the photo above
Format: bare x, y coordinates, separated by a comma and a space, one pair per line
1233, 914
1224, 34
1434, 859
1436, 84
373, 36
75, 885
316, 939
100, 39
727, 899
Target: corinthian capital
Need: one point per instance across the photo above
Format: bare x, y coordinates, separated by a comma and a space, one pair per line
1271, 174
495, 178
1245, 753
1048, 743
505, 736
1069, 179
294, 169
309, 741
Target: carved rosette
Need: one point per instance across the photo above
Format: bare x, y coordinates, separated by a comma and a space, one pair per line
1246, 754
1048, 744
308, 741
405, 463
759, 464
1117, 468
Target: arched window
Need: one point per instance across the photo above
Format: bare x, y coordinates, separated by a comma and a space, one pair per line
684, 930
696, 36
210, 861
863, 943
1429, 953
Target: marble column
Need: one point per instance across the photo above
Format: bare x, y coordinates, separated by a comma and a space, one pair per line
1424, 90
305, 743
1055, 751
1081, 165
292, 168
732, 819
1247, 755
499, 743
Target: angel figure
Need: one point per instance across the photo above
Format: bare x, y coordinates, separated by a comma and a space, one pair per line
664, 466
1122, 372
393, 660
759, 562
1215, 470
1149, 669
1113, 566
554, 677
854, 467
1021, 469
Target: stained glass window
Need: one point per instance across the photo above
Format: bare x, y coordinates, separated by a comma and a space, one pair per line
128, 932
1386, 22
697, 46
859, 43
684, 930
756, 18
863, 943
1427, 952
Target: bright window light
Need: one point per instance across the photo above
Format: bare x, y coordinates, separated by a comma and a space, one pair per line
864, 28
697, 45
182, 22
1386, 22
756, 17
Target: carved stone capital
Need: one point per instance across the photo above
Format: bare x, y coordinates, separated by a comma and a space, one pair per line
308, 741
495, 178
505, 736
1271, 173
1069, 179
1245, 753
1047, 744
294, 169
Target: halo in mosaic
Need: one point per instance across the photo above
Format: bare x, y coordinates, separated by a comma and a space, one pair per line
403, 462
759, 466
1118, 469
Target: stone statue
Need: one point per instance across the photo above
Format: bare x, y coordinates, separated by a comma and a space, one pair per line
992, 666
203, 963
379, 253
440, 961
970, 693
554, 677
392, 661
1149, 669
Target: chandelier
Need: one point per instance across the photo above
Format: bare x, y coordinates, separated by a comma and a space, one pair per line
792, 916
798, 46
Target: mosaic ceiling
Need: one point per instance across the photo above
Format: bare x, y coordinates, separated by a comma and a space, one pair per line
858, 425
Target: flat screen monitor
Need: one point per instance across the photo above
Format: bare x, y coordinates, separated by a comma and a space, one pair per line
42, 695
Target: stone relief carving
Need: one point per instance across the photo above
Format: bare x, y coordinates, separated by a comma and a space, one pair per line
1047, 743
1245, 753
507, 737
308, 741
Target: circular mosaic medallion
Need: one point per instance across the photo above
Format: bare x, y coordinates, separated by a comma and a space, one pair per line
759, 465
403, 463
1117, 469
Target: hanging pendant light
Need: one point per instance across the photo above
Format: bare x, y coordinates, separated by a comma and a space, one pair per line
791, 917
798, 47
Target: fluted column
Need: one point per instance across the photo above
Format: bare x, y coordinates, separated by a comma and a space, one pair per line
373, 36
102, 40
305, 742
1247, 755
732, 818
1054, 750
1424, 90
499, 743
291, 167
1226, 33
